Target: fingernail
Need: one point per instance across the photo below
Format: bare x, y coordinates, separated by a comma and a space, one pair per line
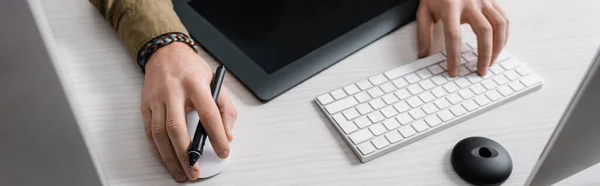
482, 72
224, 154
453, 73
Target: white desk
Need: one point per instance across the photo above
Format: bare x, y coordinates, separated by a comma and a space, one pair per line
288, 142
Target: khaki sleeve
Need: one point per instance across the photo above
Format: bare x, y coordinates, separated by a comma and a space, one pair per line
139, 21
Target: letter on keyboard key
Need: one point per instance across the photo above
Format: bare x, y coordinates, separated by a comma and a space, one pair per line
364, 108
377, 129
351, 113
388, 87
435, 69
362, 97
510, 64
433, 120
407, 131
351, 89
482, 100
458, 110
378, 79
414, 101
400, 82
380, 142
377, 103
424, 73
412, 78
364, 84
393, 136
340, 105
375, 92
404, 118
366, 148
415, 89
325, 99
493, 95
360, 136
470, 105
417, 113
389, 111
362, 122
376, 117
427, 84
391, 124
530, 80
439, 79
445, 115
402, 106
402, 94
347, 126
420, 126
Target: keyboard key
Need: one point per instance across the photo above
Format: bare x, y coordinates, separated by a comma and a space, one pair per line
351, 89
530, 80
380, 142
447, 76
427, 84
488, 75
470, 105
351, 113
400, 82
405, 69
451, 87
363, 122
420, 126
458, 110
415, 89
478, 89
377, 103
435, 69
424, 73
454, 98
501, 80
469, 56
402, 107
472, 66
375, 92
364, 84
391, 124
466, 93
393, 136
439, 79
376, 117
503, 56
493, 95
429, 108
407, 131
523, 70
509, 64
360, 136
347, 126
338, 94
439, 92
403, 94
489, 84
442, 103
444, 65
433, 120
496, 69
389, 111
404, 118
482, 100
505, 90
325, 99
377, 129
427, 97
512, 75
389, 99
474, 78
364, 108
340, 105
362, 97
366, 148
412, 78
445, 115
417, 113
516, 86
378, 79
464, 48
388, 87
463, 71
463, 82
414, 101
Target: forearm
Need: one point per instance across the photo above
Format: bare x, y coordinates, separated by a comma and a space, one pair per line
139, 21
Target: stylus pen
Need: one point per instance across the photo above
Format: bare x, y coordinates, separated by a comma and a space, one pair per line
195, 152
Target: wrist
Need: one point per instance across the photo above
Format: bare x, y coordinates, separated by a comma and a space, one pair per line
169, 41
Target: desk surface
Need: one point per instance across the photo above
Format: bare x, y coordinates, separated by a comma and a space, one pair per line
288, 142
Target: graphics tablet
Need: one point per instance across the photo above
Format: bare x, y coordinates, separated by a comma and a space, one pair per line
273, 45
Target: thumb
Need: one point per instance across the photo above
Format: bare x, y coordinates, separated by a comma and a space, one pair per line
424, 30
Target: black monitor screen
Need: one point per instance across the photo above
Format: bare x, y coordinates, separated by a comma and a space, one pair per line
275, 33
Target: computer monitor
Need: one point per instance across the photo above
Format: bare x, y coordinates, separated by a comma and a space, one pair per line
42, 142
573, 146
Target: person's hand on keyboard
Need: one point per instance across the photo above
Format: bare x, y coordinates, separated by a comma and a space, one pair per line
178, 80
488, 20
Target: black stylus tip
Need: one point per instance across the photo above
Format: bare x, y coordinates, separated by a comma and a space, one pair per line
194, 157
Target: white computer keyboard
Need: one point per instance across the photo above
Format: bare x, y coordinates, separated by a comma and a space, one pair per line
390, 110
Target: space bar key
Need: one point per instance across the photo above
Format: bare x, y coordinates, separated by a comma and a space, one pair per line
341, 105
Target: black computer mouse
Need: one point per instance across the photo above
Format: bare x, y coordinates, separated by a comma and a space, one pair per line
481, 161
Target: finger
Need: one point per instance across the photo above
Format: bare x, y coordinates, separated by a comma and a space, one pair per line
161, 139
147, 118
179, 136
211, 119
499, 34
424, 30
483, 29
451, 21
228, 112
501, 11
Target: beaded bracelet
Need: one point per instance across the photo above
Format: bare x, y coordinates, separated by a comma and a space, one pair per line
163, 40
